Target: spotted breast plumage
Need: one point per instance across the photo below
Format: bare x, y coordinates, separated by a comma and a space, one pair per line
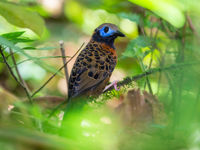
95, 63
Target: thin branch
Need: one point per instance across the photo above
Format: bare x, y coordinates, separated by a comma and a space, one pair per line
38, 90
148, 82
140, 60
169, 33
134, 78
152, 71
11, 72
189, 20
161, 62
64, 62
147, 79
17, 71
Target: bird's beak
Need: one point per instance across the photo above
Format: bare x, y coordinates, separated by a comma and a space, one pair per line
119, 33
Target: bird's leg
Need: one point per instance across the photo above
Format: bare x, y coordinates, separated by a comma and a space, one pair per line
114, 83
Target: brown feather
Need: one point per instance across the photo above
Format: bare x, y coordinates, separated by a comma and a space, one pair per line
92, 70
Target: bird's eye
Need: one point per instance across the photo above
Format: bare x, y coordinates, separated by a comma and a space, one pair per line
106, 29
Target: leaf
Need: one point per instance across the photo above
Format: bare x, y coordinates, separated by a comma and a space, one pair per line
38, 58
29, 48
130, 16
168, 10
42, 48
22, 17
12, 35
22, 40
15, 37
135, 46
7, 43
47, 48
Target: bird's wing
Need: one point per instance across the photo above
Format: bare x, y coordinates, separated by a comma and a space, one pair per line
89, 83
86, 79
86, 74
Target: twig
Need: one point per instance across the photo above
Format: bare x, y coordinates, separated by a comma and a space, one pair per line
170, 34
17, 71
191, 25
56, 72
147, 79
152, 71
11, 72
140, 60
130, 79
64, 62
148, 82
161, 62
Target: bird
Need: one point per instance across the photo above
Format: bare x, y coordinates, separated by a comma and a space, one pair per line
94, 65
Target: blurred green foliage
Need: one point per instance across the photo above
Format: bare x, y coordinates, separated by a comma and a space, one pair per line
16, 14
159, 34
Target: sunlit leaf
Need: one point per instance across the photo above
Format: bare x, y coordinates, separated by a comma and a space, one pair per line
7, 43
168, 10
13, 35
22, 40
22, 17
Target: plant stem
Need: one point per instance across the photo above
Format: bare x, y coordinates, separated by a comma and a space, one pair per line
38, 90
17, 71
11, 72
152, 71
64, 62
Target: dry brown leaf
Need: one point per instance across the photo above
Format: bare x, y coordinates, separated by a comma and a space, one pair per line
138, 108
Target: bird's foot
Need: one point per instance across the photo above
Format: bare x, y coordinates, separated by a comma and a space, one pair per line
114, 83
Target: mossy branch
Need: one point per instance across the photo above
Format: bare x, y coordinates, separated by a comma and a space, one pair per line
152, 71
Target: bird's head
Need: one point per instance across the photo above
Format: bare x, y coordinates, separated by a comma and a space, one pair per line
107, 33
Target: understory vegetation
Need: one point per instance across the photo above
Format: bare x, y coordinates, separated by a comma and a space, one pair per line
157, 106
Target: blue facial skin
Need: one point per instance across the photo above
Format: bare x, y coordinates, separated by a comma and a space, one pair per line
109, 33
106, 35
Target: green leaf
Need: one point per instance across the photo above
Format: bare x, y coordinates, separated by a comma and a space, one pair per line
130, 16
22, 17
42, 48
7, 43
38, 58
12, 35
135, 46
168, 10
15, 37
22, 40
47, 48
29, 48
